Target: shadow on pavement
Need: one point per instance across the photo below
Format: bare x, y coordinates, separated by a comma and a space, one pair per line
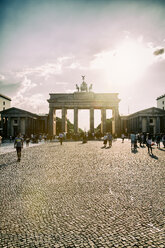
134, 151
162, 149
153, 156
6, 164
3, 165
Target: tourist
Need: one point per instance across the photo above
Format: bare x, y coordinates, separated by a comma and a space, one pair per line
149, 144
84, 138
61, 137
109, 139
140, 139
105, 140
18, 144
158, 138
27, 141
0, 140
133, 138
122, 136
163, 140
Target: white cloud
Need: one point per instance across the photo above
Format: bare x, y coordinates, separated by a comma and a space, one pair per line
64, 58
31, 104
74, 65
21, 100
43, 71
2, 77
62, 83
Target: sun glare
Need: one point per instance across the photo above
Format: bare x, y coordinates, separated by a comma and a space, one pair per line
131, 60
126, 64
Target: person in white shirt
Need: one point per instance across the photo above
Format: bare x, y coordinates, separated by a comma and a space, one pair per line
149, 144
122, 136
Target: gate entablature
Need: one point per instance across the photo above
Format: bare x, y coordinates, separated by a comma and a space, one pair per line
83, 98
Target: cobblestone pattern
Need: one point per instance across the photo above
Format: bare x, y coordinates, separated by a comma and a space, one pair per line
79, 195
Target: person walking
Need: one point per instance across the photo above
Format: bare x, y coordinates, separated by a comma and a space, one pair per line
149, 144
122, 136
158, 139
61, 137
0, 140
105, 140
163, 140
18, 144
110, 139
133, 138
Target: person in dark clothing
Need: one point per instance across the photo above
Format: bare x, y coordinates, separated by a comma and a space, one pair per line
18, 144
158, 139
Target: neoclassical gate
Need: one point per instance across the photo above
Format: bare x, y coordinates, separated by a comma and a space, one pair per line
83, 98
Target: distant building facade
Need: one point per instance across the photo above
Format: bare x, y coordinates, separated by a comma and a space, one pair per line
161, 102
5, 102
151, 120
14, 121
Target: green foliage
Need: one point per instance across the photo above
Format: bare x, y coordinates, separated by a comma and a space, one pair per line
108, 126
70, 126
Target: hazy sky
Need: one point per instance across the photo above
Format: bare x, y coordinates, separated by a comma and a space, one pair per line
46, 45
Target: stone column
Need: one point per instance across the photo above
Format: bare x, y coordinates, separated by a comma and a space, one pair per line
64, 120
148, 124
26, 126
52, 122
19, 124
158, 124
75, 120
92, 120
115, 124
103, 120
9, 126
140, 124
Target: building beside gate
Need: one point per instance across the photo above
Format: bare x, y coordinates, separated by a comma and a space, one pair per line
84, 98
5, 102
161, 102
15, 120
151, 120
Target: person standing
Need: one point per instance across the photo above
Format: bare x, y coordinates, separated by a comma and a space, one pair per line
133, 138
105, 140
158, 139
163, 140
110, 139
149, 144
61, 138
122, 136
0, 140
18, 144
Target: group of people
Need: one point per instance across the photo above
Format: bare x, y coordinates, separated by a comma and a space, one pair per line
107, 139
147, 139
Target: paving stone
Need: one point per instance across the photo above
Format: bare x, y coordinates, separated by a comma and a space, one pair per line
78, 195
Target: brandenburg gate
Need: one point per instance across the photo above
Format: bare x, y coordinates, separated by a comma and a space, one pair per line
83, 98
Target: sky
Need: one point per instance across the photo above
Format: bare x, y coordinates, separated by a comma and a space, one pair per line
47, 45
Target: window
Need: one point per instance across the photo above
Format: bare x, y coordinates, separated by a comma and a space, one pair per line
3, 103
162, 102
151, 120
15, 121
163, 108
3, 108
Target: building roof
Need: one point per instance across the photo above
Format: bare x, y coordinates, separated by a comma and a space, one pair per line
160, 97
17, 110
151, 110
6, 97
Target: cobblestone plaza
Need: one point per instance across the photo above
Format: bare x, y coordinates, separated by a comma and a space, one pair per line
79, 195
